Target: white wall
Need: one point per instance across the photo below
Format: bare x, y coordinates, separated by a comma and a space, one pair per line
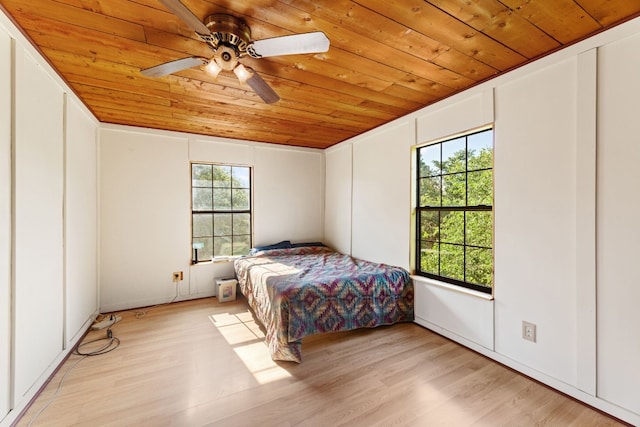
145, 204
466, 317
550, 131
38, 293
535, 143
5, 221
48, 270
288, 195
380, 229
81, 219
338, 188
618, 231
144, 210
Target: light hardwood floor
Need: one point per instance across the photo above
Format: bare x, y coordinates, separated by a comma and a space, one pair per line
204, 363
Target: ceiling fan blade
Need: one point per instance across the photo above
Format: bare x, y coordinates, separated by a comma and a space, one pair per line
182, 12
262, 89
290, 45
174, 66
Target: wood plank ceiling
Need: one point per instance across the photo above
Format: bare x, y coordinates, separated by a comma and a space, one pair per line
387, 58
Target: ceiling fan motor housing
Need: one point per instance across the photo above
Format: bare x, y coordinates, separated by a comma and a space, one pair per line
229, 38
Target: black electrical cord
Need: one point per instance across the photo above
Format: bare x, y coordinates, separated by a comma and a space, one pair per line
111, 345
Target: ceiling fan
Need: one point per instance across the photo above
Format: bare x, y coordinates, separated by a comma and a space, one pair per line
230, 39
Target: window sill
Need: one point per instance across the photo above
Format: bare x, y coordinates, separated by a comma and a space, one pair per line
459, 289
217, 260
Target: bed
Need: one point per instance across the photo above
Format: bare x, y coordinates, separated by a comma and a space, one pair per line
299, 291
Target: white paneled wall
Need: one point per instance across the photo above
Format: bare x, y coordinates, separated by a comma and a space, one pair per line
223, 151
338, 188
535, 218
381, 208
5, 221
145, 221
38, 193
146, 218
459, 315
454, 116
81, 220
585, 231
618, 232
288, 195
48, 245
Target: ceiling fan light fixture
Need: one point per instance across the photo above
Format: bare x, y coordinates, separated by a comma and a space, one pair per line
213, 69
229, 37
242, 73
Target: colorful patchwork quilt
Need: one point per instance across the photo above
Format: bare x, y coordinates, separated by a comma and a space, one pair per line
302, 291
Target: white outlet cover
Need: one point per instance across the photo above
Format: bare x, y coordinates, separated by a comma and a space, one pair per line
529, 331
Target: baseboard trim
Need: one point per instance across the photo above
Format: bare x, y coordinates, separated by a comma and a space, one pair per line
133, 305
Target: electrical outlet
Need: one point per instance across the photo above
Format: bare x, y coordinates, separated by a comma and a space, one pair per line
529, 331
177, 276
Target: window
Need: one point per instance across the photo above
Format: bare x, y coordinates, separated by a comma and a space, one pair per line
220, 210
454, 220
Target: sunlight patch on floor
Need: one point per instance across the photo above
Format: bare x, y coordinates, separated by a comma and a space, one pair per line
237, 334
247, 340
257, 359
224, 319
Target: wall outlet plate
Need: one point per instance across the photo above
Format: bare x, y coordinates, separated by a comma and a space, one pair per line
529, 331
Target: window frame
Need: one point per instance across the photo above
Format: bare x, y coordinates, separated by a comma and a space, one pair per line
420, 210
215, 210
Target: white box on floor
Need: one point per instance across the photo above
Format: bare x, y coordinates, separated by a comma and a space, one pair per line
226, 289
